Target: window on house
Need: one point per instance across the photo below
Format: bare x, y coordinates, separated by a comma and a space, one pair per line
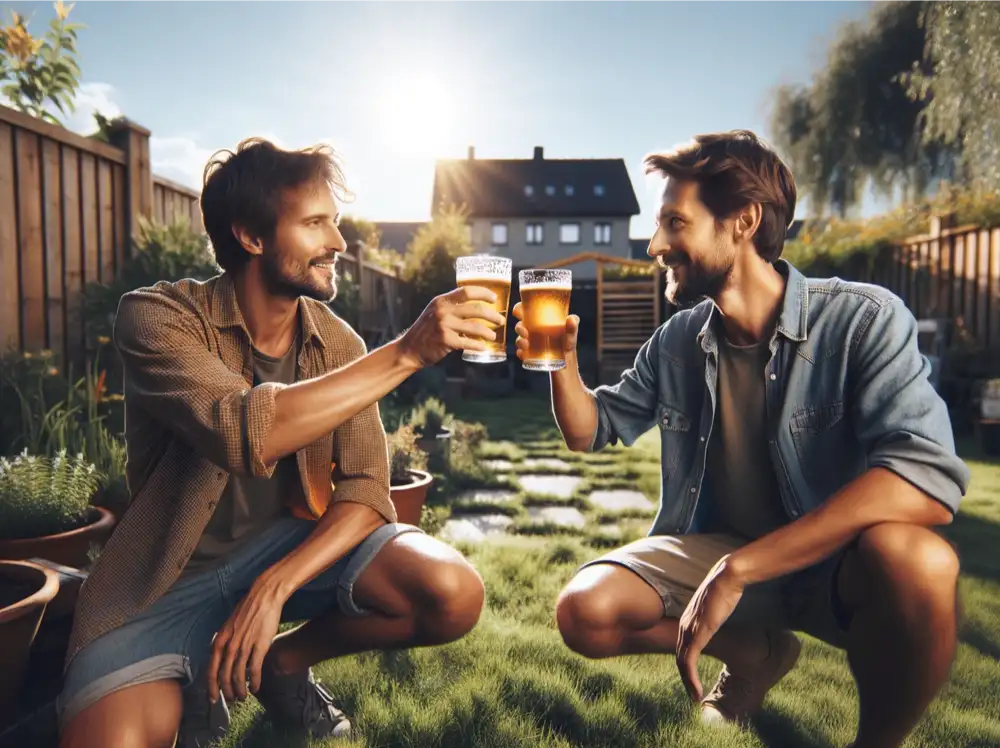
499, 234
569, 190
528, 190
569, 233
602, 233
550, 190
599, 190
535, 233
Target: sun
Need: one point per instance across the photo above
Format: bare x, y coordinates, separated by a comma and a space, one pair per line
416, 116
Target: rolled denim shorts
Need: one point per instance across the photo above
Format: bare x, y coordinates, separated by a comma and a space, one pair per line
172, 639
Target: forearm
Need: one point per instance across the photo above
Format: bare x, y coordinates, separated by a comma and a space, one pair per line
875, 497
574, 406
341, 528
307, 410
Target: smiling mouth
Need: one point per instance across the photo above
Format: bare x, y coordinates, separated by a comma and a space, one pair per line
326, 265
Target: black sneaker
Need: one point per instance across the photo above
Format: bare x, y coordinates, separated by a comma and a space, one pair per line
202, 723
299, 700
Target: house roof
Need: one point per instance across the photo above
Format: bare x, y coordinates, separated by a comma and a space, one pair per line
397, 234
496, 188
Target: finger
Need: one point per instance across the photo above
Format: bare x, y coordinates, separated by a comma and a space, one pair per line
455, 342
472, 293
520, 330
226, 671
687, 660
239, 676
213, 669
521, 344
521, 353
472, 329
516, 311
256, 666
478, 311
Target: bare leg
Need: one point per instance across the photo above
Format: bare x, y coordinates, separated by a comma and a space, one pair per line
143, 716
421, 591
607, 610
901, 584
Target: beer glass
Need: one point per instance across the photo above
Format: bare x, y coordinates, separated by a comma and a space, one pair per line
493, 273
545, 307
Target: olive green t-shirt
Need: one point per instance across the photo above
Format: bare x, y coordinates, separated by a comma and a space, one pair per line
249, 504
746, 499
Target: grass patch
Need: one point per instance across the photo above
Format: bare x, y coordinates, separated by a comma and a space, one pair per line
576, 501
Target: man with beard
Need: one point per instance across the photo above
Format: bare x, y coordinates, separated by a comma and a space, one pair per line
805, 461
245, 395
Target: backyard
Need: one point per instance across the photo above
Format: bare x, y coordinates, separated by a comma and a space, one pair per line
511, 682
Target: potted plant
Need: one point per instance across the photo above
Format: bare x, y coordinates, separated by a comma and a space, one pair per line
433, 437
25, 590
409, 480
45, 509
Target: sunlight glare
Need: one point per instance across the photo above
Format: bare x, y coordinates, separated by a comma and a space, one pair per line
416, 116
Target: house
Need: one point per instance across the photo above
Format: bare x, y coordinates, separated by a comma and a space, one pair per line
538, 211
397, 235
639, 246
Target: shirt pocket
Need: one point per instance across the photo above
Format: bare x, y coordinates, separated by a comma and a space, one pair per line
675, 439
820, 435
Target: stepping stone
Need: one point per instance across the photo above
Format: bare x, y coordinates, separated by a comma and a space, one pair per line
561, 486
616, 501
498, 465
474, 528
564, 516
487, 496
547, 463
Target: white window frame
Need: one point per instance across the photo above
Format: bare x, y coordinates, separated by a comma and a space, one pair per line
493, 234
602, 233
599, 190
569, 190
534, 234
528, 190
563, 227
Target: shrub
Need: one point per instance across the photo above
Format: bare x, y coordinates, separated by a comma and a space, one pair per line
429, 263
429, 418
404, 455
40, 495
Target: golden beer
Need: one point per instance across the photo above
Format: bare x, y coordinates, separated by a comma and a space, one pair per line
545, 307
494, 274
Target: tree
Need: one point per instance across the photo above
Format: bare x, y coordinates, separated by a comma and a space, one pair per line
36, 72
856, 124
960, 85
429, 264
359, 229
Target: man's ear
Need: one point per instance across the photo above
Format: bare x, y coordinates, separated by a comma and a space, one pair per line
248, 241
748, 221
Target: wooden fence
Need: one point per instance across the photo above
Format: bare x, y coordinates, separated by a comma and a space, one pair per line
948, 273
384, 304
69, 206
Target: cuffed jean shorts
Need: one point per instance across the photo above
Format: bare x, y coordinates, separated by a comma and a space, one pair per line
172, 639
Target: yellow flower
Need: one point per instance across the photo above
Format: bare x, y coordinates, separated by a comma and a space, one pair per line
53, 371
62, 10
103, 339
20, 44
45, 353
28, 355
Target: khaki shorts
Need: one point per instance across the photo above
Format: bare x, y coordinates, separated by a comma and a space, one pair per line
675, 565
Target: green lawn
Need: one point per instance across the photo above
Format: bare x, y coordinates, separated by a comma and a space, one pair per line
513, 683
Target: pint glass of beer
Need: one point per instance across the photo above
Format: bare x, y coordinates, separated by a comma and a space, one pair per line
492, 273
545, 307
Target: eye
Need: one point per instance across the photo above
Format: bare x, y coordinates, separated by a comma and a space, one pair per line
676, 223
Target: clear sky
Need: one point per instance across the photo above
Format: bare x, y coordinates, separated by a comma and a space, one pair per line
395, 85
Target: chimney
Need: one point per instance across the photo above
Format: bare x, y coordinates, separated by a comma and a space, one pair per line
472, 152
538, 153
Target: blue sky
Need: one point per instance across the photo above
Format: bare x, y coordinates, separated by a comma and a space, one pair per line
394, 85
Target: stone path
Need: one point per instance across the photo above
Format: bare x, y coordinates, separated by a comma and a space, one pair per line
474, 528
564, 516
560, 486
546, 463
616, 501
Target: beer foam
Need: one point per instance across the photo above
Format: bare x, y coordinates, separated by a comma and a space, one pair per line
479, 278
548, 286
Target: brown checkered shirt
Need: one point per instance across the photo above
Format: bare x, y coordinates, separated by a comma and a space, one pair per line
192, 418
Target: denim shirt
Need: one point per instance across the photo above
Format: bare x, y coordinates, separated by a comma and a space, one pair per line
846, 390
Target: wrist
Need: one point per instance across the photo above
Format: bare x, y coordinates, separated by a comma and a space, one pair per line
737, 569
403, 358
275, 586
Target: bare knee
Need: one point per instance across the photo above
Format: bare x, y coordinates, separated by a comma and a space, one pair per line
453, 599
587, 617
916, 563
143, 716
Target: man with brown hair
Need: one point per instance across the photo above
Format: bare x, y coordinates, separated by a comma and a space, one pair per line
805, 461
244, 396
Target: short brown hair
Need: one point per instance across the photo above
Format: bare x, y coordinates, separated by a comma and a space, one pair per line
733, 170
245, 188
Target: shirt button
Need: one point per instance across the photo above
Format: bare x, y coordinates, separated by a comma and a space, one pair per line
692, 489
773, 377
701, 439
219, 476
666, 420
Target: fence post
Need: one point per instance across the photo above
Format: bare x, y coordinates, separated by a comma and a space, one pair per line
134, 140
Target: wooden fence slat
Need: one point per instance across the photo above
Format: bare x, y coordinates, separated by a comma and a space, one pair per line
10, 327
31, 241
122, 239
89, 208
73, 228
105, 222
994, 286
54, 271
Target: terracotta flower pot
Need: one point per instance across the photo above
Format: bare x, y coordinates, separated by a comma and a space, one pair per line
409, 498
25, 590
438, 450
69, 548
